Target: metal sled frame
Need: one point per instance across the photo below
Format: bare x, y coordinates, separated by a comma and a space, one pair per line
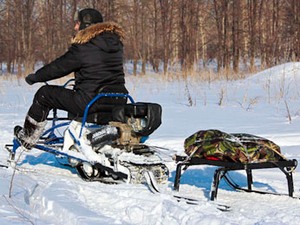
49, 140
287, 167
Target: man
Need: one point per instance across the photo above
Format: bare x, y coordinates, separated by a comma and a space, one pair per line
95, 57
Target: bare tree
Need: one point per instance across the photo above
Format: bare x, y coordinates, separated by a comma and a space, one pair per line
159, 32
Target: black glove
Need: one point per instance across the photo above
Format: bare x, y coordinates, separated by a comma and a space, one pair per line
30, 79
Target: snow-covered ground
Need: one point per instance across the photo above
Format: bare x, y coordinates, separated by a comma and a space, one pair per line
265, 104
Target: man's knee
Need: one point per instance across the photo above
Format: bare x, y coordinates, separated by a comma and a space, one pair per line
42, 91
42, 98
40, 107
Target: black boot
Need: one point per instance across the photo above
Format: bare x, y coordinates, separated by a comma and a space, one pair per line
30, 133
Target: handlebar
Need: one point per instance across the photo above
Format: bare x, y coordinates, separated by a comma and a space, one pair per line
65, 84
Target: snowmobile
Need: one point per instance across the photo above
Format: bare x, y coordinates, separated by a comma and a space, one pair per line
111, 153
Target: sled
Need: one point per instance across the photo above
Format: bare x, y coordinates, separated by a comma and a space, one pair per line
109, 153
223, 167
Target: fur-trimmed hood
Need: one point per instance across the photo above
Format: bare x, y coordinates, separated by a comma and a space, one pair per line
84, 36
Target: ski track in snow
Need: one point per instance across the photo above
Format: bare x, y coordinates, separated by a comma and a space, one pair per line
44, 192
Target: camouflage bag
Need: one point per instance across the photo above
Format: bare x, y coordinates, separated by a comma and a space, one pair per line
260, 149
215, 145
218, 145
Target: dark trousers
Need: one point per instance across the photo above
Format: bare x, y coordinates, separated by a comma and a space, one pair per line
50, 96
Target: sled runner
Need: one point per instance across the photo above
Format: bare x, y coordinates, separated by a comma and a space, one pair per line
224, 167
110, 151
232, 152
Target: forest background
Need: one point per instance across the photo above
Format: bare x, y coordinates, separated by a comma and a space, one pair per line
170, 36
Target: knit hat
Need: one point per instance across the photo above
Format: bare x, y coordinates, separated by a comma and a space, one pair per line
87, 17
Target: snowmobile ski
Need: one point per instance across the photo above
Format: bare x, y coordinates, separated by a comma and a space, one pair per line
194, 201
151, 182
4, 166
153, 186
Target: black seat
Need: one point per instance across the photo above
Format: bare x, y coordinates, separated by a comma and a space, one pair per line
101, 111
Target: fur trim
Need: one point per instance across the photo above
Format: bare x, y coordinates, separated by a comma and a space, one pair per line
85, 35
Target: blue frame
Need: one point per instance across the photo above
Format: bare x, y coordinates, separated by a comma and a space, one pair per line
99, 96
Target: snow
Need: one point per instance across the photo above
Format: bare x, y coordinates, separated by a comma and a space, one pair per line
44, 192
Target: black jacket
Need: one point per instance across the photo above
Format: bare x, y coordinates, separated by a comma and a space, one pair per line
96, 57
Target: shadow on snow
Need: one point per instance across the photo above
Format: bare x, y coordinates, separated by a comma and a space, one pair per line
203, 177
